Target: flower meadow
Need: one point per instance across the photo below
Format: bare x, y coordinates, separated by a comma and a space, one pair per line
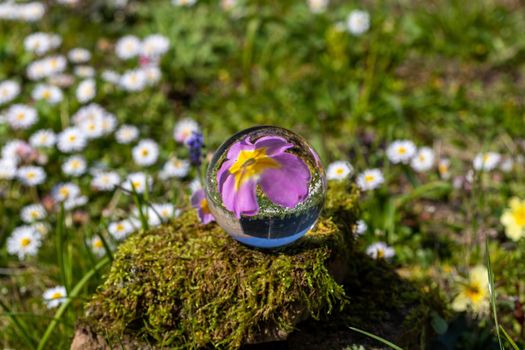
110, 112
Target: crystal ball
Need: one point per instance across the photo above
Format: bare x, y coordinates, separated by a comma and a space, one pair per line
265, 186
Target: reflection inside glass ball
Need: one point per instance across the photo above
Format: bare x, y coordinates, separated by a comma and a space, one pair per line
265, 186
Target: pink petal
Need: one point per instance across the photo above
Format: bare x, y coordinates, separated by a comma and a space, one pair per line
240, 202
288, 185
274, 145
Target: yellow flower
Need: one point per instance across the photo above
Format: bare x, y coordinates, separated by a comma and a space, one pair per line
514, 219
473, 292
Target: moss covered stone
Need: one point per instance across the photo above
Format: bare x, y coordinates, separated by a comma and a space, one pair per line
186, 285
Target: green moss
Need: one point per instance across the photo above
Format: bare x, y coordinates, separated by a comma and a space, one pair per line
191, 285
186, 285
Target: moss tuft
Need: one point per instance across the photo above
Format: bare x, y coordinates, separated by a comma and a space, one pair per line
188, 285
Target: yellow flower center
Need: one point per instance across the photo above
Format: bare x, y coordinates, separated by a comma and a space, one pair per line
380, 253
369, 178
519, 215
204, 206
30, 175
401, 150
145, 152
98, 244
251, 163
474, 292
46, 95
120, 227
20, 116
25, 242
56, 295
339, 171
64, 192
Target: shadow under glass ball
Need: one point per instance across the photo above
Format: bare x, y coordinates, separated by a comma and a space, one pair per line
265, 186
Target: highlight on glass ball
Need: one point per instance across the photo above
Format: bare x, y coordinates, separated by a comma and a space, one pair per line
266, 186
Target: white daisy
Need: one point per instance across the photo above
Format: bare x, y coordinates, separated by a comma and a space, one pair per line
110, 76
175, 167
65, 191
153, 74
159, 213
361, 227
444, 168
358, 22
134, 80
31, 11
120, 229
40, 43
126, 134
86, 91
24, 241
97, 246
42, 228
79, 55
12, 149
184, 129
71, 140
32, 213
380, 250
183, 2
423, 160
84, 71
486, 161
318, 6
401, 151
7, 169
21, 116
105, 181
137, 181
92, 128
44, 138
195, 185
155, 45
31, 175
145, 153
53, 297
338, 170
9, 90
49, 93
74, 166
128, 47
370, 179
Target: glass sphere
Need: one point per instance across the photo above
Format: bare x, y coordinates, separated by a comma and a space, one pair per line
265, 186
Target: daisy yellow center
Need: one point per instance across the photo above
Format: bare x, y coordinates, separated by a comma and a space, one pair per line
98, 244
120, 227
31, 175
204, 206
136, 184
369, 178
34, 214
401, 150
145, 152
251, 163
75, 164
474, 292
339, 171
46, 95
443, 168
56, 295
519, 215
20, 116
72, 138
24, 242
64, 192
380, 253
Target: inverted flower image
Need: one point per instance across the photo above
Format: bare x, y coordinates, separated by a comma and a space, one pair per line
267, 164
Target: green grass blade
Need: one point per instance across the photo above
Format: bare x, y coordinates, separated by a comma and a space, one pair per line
74, 292
509, 339
19, 325
379, 339
492, 294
